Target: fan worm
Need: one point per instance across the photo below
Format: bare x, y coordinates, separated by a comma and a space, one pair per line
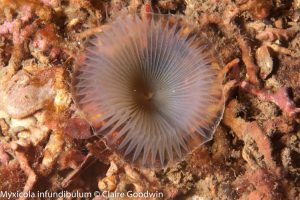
148, 86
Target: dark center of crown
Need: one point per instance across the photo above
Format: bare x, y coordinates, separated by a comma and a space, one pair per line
143, 93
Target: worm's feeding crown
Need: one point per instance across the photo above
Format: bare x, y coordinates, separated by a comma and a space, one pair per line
147, 85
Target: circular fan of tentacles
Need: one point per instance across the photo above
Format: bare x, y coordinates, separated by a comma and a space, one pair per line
148, 86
